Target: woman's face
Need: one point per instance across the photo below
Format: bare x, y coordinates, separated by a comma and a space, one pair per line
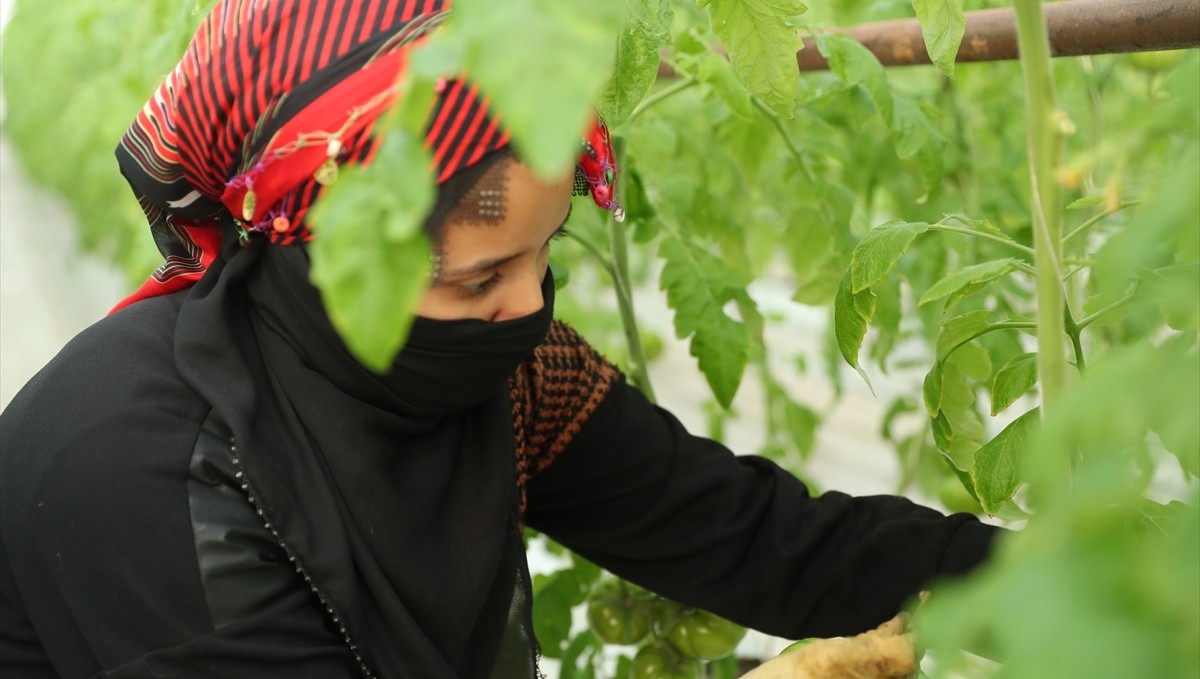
493, 257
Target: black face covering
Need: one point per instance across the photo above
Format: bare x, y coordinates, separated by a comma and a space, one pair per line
449, 365
396, 493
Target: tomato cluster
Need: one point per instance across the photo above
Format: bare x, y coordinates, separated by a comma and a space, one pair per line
675, 639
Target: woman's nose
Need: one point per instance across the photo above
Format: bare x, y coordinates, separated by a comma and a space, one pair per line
524, 297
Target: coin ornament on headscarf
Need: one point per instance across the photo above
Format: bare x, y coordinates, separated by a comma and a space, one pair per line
327, 173
596, 171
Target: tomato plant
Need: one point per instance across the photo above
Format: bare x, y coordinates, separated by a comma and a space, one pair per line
1009, 252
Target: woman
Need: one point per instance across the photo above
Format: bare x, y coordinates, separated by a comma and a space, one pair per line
206, 483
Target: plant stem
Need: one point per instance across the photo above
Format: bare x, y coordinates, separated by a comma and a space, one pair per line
664, 93
1096, 220
1073, 331
787, 139
1044, 149
1092, 318
992, 327
620, 270
633, 338
595, 252
980, 234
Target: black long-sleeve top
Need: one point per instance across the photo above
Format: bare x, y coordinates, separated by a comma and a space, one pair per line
141, 555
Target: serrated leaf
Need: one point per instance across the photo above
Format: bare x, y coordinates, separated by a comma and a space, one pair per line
719, 75
543, 102
958, 330
645, 33
851, 313
974, 274
762, 46
698, 285
997, 470
854, 64
878, 251
942, 25
1013, 380
370, 257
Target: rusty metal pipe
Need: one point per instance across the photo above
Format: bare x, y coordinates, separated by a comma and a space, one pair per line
1076, 27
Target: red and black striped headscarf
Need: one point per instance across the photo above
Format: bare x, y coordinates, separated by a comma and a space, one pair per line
270, 99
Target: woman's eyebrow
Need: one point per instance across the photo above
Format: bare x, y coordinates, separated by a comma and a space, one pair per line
488, 264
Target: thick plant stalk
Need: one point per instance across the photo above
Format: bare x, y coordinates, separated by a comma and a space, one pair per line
885, 652
1044, 149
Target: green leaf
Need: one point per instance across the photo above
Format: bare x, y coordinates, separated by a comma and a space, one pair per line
887, 319
554, 597
543, 101
959, 330
584, 642
942, 24
718, 74
855, 65
1086, 202
851, 313
997, 471
932, 390
971, 275
762, 46
1174, 288
645, 33
959, 428
638, 208
973, 361
878, 251
802, 423
917, 137
370, 257
698, 285
1012, 382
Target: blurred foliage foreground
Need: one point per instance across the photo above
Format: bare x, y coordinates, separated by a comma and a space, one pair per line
899, 200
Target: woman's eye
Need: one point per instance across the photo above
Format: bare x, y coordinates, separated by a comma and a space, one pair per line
477, 289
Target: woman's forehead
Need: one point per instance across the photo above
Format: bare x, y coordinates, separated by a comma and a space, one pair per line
509, 206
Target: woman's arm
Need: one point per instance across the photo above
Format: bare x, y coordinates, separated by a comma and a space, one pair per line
737, 535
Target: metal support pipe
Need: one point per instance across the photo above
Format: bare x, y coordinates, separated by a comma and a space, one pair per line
1076, 27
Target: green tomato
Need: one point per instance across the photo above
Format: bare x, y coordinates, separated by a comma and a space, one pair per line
1156, 62
659, 661
666, 612
619, 613
955, 497
702, 635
